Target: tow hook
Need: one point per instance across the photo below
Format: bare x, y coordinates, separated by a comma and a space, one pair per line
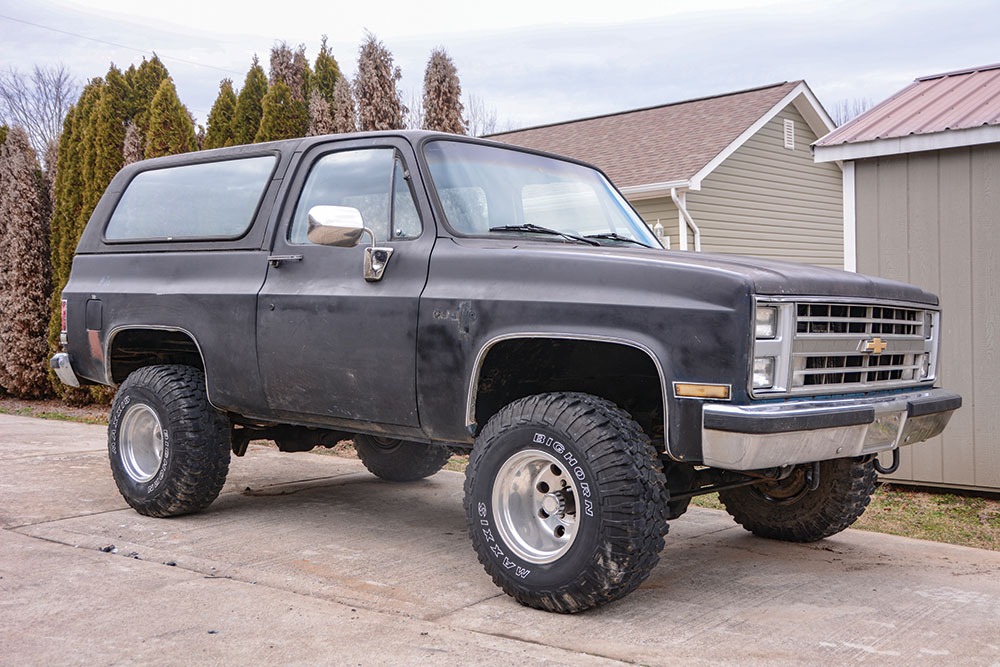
812, 476
882, 470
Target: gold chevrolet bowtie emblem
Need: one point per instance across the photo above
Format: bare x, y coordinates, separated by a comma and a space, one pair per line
876, 346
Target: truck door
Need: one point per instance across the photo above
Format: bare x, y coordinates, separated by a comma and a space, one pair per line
330, 344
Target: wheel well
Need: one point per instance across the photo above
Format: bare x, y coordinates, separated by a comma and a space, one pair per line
132, 349
625, 375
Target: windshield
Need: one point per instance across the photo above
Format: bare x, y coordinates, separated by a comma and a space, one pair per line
486, 190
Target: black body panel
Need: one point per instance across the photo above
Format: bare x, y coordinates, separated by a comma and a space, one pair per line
310, 342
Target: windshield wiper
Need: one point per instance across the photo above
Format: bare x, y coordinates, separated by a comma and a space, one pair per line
617, 237
528, 227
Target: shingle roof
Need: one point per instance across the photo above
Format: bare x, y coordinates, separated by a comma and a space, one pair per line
657, 144
956, 100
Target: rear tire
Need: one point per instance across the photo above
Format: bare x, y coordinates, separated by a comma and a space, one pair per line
787, 510
400, 460
566, 502
168, 447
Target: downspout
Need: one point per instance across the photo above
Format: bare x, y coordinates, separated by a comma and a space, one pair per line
685, 221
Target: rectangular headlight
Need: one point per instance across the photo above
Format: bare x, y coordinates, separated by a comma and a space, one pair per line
763, 372
767, 322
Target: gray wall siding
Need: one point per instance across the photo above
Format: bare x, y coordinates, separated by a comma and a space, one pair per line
933, 219
769, 201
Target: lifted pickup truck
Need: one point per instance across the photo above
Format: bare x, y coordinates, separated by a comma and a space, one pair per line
425, 293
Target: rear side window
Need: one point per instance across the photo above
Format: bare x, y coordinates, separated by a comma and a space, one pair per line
195, 201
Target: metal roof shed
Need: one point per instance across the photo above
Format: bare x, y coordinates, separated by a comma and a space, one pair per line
922, 205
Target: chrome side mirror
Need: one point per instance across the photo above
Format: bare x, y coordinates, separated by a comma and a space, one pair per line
343, 226
340, 226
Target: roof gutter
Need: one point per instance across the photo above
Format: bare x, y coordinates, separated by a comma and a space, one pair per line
680, 201
653, 190
912, 143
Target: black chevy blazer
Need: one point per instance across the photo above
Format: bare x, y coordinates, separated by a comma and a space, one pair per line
425, 293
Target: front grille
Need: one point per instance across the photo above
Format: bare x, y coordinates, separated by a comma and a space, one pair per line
856, 369
846, 329
843, 347
831, 318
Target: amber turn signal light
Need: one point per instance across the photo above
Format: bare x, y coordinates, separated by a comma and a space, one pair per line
688, 390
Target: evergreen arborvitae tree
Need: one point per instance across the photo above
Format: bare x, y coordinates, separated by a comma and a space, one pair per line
249, 105
69, 217
284, 117
442, 95
109, 136
380, 106
88, 157
326, 73
132, 150
292, 69
25, 278
345, 118
170, 128
144, 82
220, 118
51, 169
320, 120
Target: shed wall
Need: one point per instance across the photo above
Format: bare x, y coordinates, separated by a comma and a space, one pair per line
766, 200
933, 219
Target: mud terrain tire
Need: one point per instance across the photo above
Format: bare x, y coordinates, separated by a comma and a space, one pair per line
166, 408
789, 511
598, 480
400, 460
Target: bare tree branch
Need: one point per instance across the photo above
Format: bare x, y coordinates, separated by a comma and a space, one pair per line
37, 102
482, 118
845, 110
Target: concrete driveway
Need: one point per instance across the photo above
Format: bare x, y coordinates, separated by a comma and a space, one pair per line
307, 558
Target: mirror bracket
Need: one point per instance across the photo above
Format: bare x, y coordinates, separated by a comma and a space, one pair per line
375, 261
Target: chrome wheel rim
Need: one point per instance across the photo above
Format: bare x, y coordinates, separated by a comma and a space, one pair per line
535, 506
141, 442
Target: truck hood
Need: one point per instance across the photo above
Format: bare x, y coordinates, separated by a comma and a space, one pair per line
762, 276
774, 277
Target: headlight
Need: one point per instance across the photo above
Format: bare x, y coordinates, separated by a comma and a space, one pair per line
767, 321
763, 372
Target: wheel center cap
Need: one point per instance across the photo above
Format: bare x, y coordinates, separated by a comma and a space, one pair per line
551, 503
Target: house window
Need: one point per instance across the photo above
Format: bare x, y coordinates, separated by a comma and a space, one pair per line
790, 134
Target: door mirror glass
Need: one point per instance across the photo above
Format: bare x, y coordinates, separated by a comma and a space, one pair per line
340, 226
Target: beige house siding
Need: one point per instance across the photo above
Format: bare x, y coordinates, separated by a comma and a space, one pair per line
662, 209
933, 219
768, 201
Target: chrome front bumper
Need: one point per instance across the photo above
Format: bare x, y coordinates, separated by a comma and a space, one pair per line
64, 369
752, 437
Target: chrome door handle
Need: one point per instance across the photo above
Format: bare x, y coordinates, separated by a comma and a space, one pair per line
276, 260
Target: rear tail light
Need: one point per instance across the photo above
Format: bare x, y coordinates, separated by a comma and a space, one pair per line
63, 314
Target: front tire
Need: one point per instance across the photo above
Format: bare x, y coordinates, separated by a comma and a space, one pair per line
168, 447
787, 510
400, 460
566, 502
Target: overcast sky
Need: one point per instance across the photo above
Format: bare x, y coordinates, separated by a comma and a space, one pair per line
535, 61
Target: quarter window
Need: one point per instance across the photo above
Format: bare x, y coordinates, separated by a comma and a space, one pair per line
372, 181
189, 202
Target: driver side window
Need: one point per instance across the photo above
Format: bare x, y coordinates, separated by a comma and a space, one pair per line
370, 180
